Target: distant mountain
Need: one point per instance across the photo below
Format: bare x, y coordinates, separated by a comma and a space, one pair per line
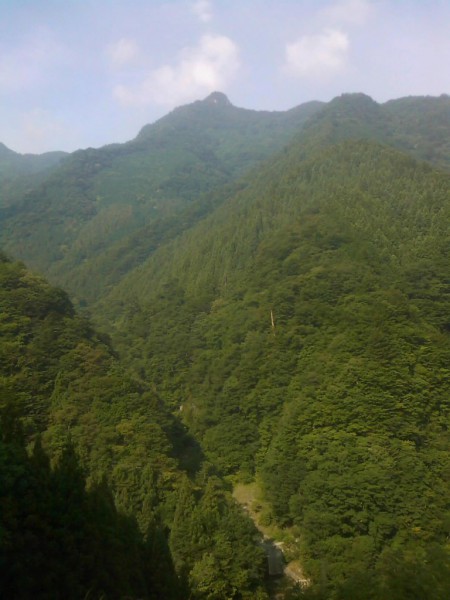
20, 172
419, 126
99, 198
350, 117
104, 211
14, 164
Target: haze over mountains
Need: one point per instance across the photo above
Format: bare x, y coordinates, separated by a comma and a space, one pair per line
275, 286
104, 196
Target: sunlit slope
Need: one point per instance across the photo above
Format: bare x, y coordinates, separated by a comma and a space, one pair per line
302, 330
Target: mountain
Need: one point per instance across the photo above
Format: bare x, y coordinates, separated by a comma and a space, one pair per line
285, 322
416, 125
61, 384
13, 164
128, 198
20, 172
302, 329
425, 130
104, 212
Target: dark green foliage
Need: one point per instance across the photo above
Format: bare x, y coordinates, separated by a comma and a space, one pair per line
62, 379
58, 540
214, 545
63, 376
59, 377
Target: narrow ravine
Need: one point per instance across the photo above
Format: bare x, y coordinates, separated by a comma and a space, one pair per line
287, 573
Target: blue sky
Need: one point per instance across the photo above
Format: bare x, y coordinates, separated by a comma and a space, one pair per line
79, 73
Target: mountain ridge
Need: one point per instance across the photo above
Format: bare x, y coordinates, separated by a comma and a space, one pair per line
278, 312
99, 197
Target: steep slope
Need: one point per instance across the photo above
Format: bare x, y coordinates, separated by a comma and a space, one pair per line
62, 382
60, 375
98, 198
303, 329
348, 117
59, 540
67, 386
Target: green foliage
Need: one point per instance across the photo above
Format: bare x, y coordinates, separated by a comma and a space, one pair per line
416, 125
58, 540
61, 378
425, 127
214, 545
339, 403
296, 322
20, 172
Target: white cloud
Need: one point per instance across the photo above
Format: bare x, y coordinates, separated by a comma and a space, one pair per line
203, 10
204, 68
349, 12
123, 52
317, 55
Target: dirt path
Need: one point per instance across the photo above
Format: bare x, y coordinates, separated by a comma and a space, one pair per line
248, 496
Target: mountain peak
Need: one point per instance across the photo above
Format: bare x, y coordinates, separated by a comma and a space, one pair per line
218, 98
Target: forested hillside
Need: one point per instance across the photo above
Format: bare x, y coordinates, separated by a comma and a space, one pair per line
416, 125
148, 487
105, 210
278, 315
19, 173
303, 329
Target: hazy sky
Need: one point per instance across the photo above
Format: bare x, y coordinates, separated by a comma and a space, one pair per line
78, 73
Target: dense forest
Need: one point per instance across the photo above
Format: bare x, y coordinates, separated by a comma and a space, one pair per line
65, 396
273, 292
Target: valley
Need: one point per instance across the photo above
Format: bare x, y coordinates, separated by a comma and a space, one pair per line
251, 354
278, 543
